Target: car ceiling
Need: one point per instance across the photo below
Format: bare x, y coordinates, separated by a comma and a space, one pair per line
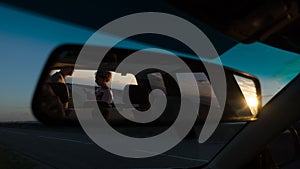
274, 22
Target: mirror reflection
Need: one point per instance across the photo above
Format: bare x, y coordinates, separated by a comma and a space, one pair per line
108, 88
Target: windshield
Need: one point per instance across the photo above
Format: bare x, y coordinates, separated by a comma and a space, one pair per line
27, 49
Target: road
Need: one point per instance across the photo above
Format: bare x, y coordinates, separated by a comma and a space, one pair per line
70, 147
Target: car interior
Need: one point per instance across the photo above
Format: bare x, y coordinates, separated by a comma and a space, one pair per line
250, 135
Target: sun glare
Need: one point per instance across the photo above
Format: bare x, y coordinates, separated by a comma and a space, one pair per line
248, 89
252, 102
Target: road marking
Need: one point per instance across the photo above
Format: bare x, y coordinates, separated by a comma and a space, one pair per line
62, 139
175, 156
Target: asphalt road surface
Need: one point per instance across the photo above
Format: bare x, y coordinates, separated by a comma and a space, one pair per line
70, 147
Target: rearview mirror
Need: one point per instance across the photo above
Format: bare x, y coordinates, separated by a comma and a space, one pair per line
53, 103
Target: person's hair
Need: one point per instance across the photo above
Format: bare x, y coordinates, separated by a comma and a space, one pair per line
68, 67
68, 70
106, 75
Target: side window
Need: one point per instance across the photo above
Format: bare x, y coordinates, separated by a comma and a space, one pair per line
204, 87
156, 81
120, 81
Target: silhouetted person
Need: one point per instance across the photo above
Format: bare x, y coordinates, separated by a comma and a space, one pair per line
58, 84
103, 93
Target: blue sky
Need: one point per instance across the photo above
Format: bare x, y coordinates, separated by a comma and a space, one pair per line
25, 44
27, 40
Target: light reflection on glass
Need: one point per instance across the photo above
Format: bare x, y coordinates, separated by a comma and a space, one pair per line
248, 89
